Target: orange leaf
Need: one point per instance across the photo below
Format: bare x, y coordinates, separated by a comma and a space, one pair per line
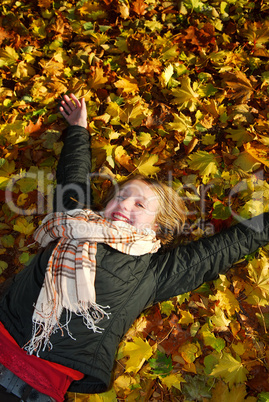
258, 152
139, 7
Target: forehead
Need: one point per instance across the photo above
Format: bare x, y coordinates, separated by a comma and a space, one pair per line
138, 188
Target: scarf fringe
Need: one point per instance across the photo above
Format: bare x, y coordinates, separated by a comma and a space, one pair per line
42, 332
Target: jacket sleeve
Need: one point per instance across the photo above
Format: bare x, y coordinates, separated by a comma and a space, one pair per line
73, 171
186, 267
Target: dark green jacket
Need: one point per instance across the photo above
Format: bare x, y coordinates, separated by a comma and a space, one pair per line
128, 284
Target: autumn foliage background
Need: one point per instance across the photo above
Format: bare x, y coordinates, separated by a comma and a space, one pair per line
177, 90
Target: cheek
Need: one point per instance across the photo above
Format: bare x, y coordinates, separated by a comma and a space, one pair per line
110, 206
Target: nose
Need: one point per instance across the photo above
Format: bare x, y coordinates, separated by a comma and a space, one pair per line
126, 203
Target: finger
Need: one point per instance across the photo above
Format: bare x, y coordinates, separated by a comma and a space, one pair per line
64, 113
69, 102
66, 107
83, 104
75, 99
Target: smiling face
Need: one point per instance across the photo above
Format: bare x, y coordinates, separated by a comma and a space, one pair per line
135, 203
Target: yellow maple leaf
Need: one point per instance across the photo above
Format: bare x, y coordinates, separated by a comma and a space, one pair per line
23, 226
219, 319
205, 162
133, 114
8, 56
144, 139
173, 380
181, 123
258, 270
139, 351
24, 70
14, 132
185, 96
226, 301
186, 317
231, 370
129, 85
145, 165
98, 79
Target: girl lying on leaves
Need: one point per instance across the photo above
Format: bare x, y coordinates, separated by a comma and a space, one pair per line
64, 315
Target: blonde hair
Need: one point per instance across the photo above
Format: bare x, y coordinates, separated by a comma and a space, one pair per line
171, 216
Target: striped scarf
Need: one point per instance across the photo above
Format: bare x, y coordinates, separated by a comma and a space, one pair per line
70, 276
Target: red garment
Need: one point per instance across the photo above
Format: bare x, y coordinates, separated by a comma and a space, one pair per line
51, 379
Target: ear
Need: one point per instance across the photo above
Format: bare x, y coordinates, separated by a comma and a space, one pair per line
155, 227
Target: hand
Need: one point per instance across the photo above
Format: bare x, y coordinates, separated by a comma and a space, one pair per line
74, 111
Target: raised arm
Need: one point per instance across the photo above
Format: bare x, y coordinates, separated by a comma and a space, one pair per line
187, 267
74, 166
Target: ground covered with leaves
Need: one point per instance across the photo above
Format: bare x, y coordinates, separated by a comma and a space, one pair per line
177, 90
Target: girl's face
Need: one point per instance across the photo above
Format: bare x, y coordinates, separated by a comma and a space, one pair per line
135, 203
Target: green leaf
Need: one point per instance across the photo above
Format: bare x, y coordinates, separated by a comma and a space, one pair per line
3, 266
220, 211
263, 397
210, 340
7, 241
196, 388
167, 307
161, 365
24, 258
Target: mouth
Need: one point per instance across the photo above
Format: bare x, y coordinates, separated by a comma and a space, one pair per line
117, 216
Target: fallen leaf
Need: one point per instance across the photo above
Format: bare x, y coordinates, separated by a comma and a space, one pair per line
129, 85
139, 351
185, 97
230, 369
145, 165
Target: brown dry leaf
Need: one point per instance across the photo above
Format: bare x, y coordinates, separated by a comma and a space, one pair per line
123, 159
150, 67
45, 3
240, 85
123, 9
257, 33
58, 26
211, 108
3, 35
201, 37
221, 393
